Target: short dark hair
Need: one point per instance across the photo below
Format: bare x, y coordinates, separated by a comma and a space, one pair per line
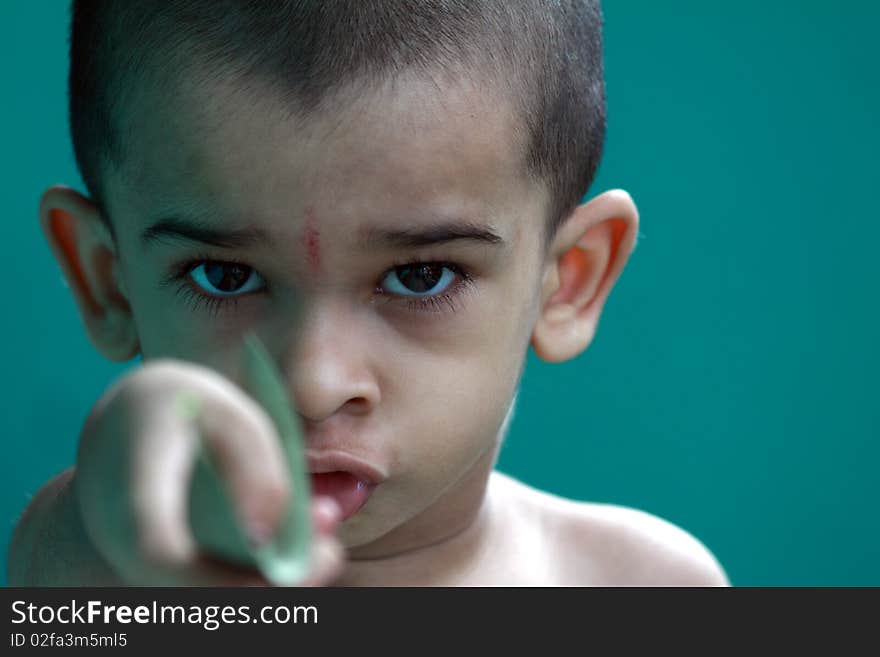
548, 51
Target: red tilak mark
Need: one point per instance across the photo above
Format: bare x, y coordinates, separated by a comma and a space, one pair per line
311, 241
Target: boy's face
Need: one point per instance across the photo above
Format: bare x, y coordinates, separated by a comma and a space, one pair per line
411, 370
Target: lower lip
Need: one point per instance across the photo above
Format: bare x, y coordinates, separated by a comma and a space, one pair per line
349, 492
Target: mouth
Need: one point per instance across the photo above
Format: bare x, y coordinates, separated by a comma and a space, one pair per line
345, 478
349, 492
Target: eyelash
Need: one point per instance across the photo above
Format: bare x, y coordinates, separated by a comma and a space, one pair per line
193, 297
213, 304
433, 303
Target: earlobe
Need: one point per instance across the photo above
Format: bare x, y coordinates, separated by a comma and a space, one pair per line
86, 252
586, 258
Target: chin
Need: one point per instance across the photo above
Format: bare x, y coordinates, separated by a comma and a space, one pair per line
362, 529
373, 534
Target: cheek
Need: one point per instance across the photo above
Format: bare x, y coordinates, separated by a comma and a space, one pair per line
454, 415
453, 393
168, 328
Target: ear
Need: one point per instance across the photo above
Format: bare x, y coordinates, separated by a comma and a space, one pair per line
87, 253
583, 263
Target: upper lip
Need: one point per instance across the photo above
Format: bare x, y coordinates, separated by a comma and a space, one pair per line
336, 461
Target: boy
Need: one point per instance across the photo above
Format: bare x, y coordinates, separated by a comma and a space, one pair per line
387, 193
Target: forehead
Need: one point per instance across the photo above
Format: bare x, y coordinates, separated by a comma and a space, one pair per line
413, 146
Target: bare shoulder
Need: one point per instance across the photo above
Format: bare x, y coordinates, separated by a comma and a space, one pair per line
610, 545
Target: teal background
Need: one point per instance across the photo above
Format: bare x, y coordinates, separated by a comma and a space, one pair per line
732, 385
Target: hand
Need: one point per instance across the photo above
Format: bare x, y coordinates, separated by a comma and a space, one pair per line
134, 467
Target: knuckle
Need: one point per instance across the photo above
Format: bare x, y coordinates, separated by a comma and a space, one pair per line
157, 371
166, 375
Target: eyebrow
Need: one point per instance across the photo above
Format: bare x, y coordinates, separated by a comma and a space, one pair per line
440, 233
176, 229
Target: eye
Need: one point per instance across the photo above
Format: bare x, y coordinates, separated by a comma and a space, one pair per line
418, 279
225, 278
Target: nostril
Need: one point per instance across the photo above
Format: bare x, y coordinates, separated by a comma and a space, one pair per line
358, 404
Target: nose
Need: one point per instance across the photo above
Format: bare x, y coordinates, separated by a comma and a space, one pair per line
329, 364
